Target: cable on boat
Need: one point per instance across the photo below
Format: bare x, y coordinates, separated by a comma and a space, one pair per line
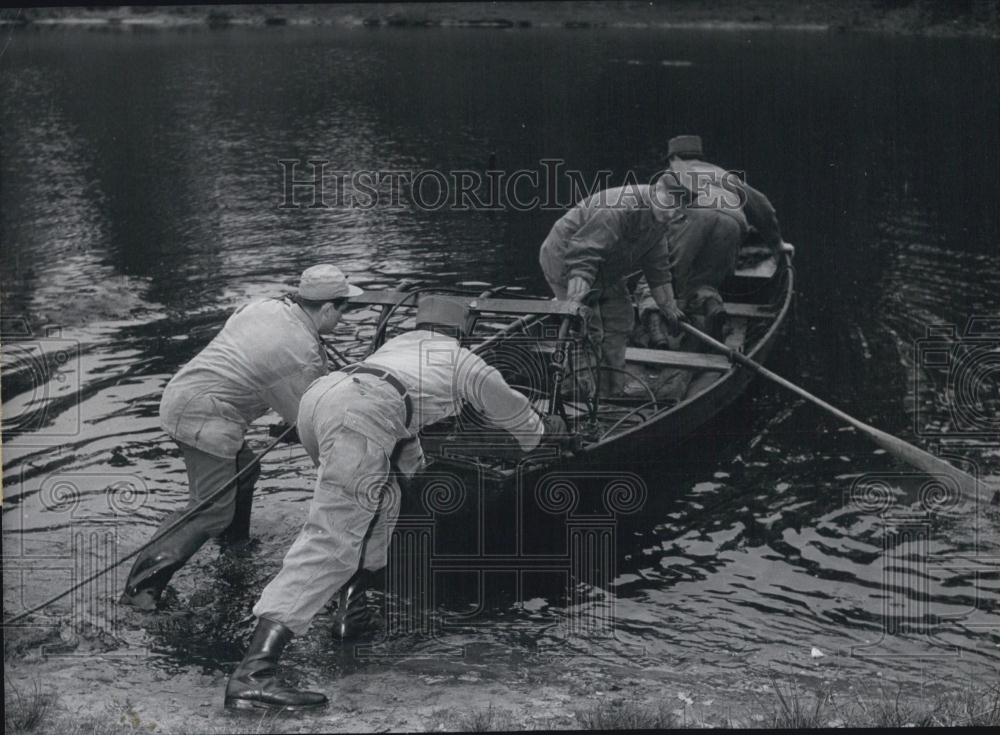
640, 381
328, 346
617, 423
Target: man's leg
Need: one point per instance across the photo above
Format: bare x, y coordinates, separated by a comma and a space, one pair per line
327, 551
239, 529
324, 556
353, 618
155, 566
617, 318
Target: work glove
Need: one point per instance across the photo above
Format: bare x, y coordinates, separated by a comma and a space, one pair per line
408, 457
556, 434
276, 430
674, 316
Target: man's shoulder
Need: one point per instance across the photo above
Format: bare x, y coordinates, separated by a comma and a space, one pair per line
630, 196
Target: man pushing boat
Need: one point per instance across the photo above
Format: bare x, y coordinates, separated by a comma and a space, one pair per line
265, 357
356, 424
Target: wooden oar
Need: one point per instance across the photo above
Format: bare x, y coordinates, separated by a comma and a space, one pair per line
903, 450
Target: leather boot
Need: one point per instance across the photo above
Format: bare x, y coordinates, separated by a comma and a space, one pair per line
352, 619
254, 685
147, 580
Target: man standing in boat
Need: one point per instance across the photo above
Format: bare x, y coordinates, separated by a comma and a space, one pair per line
264, 358
705, 240
357, 424
593, 248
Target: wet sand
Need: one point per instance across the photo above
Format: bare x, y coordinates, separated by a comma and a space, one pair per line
421, 694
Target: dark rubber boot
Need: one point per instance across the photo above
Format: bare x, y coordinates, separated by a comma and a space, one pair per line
239, 529
715, 321
353, 620
147, 580
253, 685
656, 326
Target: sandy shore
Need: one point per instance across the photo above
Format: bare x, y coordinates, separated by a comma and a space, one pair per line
923, 17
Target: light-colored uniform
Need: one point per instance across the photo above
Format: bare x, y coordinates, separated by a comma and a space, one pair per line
603, 239
264, 358
352, 425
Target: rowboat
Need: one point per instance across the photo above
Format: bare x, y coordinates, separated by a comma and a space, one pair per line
538, 345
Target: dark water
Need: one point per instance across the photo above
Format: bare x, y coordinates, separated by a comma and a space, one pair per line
140, 192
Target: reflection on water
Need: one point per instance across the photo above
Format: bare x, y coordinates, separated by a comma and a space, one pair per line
140, 205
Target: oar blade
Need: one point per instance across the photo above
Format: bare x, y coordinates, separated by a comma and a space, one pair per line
927, 462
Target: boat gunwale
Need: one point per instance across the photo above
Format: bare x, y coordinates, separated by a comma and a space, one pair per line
765, 342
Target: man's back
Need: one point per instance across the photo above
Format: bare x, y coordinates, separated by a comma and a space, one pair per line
440, 375
264, 357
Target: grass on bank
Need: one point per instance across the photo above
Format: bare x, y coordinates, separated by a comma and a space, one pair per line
972, 707
30, 710
626, 716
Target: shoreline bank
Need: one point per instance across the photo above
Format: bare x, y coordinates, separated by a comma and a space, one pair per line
901, 17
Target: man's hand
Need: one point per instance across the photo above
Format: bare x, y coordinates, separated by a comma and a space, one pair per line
673, 314
276, 430
556, 433
577, 289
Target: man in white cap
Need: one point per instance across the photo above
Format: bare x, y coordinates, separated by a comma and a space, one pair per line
356, 424
593, 248
705, 241
264, 358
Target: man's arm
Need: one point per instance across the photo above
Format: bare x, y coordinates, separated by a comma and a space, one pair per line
589, 247
298, 366
761, 216
484, 387
656, 268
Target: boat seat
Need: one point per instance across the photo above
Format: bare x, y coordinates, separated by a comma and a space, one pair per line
677, 359
752, 311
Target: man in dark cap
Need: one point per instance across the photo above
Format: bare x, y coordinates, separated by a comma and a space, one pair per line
264, 358
356, 424
705, 241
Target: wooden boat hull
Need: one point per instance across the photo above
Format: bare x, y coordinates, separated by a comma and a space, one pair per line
669, 426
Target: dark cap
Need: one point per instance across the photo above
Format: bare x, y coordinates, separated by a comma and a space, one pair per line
448, 313
684, 145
